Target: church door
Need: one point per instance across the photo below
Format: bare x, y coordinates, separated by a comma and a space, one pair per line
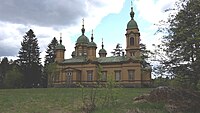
69, 78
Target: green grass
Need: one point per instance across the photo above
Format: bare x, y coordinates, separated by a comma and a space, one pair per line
68, 100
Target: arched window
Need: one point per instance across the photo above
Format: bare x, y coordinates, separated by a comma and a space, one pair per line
131, 41
132, 53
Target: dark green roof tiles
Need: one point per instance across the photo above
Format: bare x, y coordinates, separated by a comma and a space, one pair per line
101, 60
114, 59
60, 47
82, 40
92, 44
102, 50
132, 24
75, 60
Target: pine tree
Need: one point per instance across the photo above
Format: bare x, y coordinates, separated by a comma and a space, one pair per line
145, 55
29, 60
182, 43
118, 50
4, 67
49, 59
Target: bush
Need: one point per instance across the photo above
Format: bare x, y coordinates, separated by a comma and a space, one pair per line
13, 78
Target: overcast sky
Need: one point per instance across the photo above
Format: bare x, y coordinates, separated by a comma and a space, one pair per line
49, 18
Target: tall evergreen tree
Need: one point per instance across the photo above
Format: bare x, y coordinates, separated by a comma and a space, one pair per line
4, 67
182, 43
29, 60
145, 55
49, 59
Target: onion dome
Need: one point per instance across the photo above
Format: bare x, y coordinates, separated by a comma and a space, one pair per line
60, 46
82, 39
132, 23
102, 50
92, 43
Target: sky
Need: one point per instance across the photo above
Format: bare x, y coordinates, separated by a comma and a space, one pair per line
48, 18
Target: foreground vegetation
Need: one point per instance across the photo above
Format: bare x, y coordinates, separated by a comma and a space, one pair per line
68, 100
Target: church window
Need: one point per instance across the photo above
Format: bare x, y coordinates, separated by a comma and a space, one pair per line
132, 53
85, 53
89, 75
104, 76
117, 75
56, 79
131, 74
78, 76
131, 41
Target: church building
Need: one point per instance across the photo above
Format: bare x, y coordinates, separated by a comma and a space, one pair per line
128, 70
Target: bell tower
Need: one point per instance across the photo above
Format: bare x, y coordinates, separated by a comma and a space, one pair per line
132, 37
60, 51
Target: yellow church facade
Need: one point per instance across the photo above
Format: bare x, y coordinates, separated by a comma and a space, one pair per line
85, 67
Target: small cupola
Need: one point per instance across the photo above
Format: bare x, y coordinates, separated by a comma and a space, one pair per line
60, 46
132, 24
60, 51
102, 51
92, 43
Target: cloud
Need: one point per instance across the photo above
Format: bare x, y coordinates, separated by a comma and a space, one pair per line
50, 12
48, 18
153, 10
9, 39
42, 12
8, 51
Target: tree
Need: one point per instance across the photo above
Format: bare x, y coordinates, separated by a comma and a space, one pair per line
118, 50
29, 60
13, 78
182, 43
4, 67
49, 59
51, 72
145, 55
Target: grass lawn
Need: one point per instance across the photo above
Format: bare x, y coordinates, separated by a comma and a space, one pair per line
68, 100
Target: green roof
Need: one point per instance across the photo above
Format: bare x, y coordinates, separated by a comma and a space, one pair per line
82, 40
60, 46
113, 59
75, 60
102, 50
101, 60
132, 24
92, 44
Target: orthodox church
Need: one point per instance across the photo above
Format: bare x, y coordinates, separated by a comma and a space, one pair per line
128, 70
